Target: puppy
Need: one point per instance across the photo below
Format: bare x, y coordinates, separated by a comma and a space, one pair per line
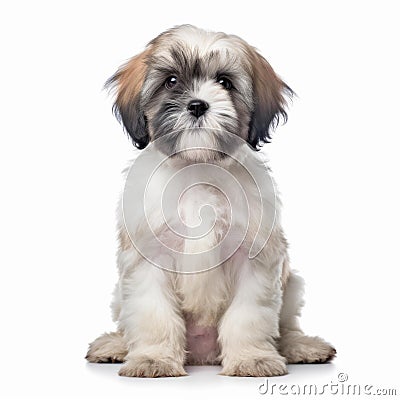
204, 274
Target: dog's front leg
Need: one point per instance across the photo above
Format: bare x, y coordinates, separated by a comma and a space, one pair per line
152, 324
250, 325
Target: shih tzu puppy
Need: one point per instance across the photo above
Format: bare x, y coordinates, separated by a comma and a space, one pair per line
204, 274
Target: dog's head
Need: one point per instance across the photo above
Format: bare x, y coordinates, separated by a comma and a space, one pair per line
194, 88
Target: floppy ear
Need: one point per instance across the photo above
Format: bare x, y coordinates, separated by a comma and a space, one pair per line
270, 94
128, 82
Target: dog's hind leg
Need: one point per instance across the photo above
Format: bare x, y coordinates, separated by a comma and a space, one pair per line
293, 344
108, 348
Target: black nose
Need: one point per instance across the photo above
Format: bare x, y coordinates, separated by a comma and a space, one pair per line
197, 107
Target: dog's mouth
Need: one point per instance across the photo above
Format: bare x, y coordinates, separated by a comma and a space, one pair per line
199, 128
188, 123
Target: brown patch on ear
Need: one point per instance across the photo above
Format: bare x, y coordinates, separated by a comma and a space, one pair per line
269, 99
128, 82
130, 78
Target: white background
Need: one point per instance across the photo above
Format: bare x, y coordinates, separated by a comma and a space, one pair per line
336, 163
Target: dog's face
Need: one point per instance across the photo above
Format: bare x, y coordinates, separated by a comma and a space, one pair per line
194, 89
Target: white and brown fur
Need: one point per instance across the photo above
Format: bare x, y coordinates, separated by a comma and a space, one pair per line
244, 313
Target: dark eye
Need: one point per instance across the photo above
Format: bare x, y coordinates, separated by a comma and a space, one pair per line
171, 82
225, 82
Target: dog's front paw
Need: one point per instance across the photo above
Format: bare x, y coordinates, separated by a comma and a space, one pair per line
144, 367
273, 365
299, 348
